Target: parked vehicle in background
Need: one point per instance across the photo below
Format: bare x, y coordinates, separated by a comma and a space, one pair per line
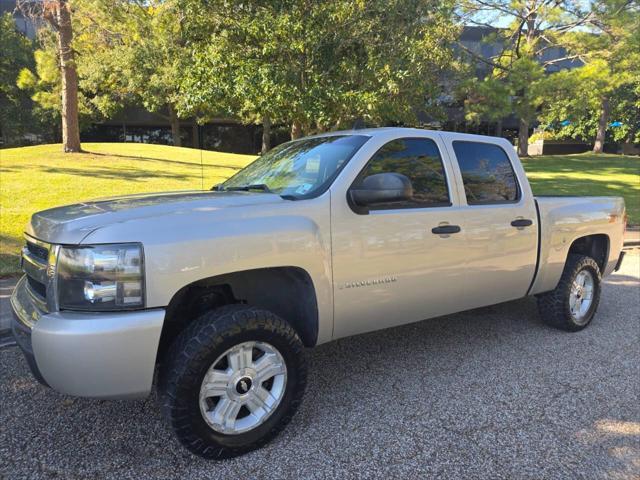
321, 238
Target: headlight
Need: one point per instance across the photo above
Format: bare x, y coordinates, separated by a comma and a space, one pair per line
101, 277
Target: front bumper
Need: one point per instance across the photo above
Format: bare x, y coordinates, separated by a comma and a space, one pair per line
101, 355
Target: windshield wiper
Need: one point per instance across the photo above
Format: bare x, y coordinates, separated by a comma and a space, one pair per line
245, 188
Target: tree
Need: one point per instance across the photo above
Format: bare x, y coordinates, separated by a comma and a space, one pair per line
44, 83
512, 88
583, 101
57, 14
535, 27
132, 52
15, 105
316, 65
486, 99
574, 106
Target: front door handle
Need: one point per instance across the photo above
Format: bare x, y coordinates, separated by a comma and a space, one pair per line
445, 229
522, 222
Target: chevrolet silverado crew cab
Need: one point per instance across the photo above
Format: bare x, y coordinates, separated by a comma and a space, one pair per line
327, 236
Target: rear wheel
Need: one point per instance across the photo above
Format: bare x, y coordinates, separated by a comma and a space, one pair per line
232, 380
573, 303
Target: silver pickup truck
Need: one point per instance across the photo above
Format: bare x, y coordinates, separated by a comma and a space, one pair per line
324, 237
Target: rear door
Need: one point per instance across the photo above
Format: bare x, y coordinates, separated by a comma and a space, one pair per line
500, 221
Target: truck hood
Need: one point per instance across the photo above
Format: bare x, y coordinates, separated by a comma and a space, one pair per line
70, 224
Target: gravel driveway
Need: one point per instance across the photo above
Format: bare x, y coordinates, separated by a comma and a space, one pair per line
491, 393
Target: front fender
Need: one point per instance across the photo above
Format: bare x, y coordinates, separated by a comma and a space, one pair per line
183, 249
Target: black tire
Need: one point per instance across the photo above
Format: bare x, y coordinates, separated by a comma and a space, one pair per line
554, 305
194, 351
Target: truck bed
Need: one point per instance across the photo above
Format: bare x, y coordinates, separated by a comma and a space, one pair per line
563, 219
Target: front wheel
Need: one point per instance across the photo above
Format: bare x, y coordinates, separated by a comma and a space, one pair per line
573, 303
232, 381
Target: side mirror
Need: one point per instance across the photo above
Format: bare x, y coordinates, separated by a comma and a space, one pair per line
382, 188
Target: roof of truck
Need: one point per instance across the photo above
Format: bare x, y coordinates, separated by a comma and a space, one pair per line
372, 132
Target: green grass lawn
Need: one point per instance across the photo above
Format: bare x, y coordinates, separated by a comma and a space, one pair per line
35, 178
588, 174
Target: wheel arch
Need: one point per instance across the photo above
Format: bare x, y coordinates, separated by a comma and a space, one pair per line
287, 291
595, 246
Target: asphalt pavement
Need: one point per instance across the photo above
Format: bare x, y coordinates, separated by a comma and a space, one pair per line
490, 393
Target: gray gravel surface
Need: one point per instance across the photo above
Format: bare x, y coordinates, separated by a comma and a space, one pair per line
491, 393
6, 287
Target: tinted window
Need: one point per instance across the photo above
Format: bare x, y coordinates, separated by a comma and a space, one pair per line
419, 160
486, 173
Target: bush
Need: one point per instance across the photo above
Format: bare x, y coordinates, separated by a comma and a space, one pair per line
544, 135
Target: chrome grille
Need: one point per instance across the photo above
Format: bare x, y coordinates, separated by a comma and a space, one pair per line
35, 259
38, 251
38, 288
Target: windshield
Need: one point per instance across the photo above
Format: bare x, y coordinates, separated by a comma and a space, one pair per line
298, 169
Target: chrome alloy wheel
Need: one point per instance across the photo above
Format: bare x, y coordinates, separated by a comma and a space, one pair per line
243, 387
581, 295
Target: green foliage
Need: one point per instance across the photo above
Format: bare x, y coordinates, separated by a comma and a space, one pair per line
626, 110
515, 81
15, 105
513, 86
575, 96
543, 135
316, 63
42, 81
129, 53
611, 50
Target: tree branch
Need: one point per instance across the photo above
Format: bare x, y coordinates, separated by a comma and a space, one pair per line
568, 57
480, 57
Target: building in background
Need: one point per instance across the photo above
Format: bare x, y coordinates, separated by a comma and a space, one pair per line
23, 24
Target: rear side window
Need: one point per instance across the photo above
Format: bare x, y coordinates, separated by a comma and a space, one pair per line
419, 160
487, 173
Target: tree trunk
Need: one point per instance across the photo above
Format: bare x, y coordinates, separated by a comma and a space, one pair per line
69, 76
321, 127
523, 138
296, 130
175, 127
499, 128
195, 133
598, 146
266, 134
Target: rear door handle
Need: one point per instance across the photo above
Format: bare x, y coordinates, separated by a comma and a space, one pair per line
445, 229
522, 222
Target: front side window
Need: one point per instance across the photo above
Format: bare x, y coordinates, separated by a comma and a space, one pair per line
298, 169
486, 173
419, 160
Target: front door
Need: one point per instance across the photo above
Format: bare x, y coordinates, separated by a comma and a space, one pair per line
395, 263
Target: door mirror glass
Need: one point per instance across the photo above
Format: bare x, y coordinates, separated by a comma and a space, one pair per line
382, 188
